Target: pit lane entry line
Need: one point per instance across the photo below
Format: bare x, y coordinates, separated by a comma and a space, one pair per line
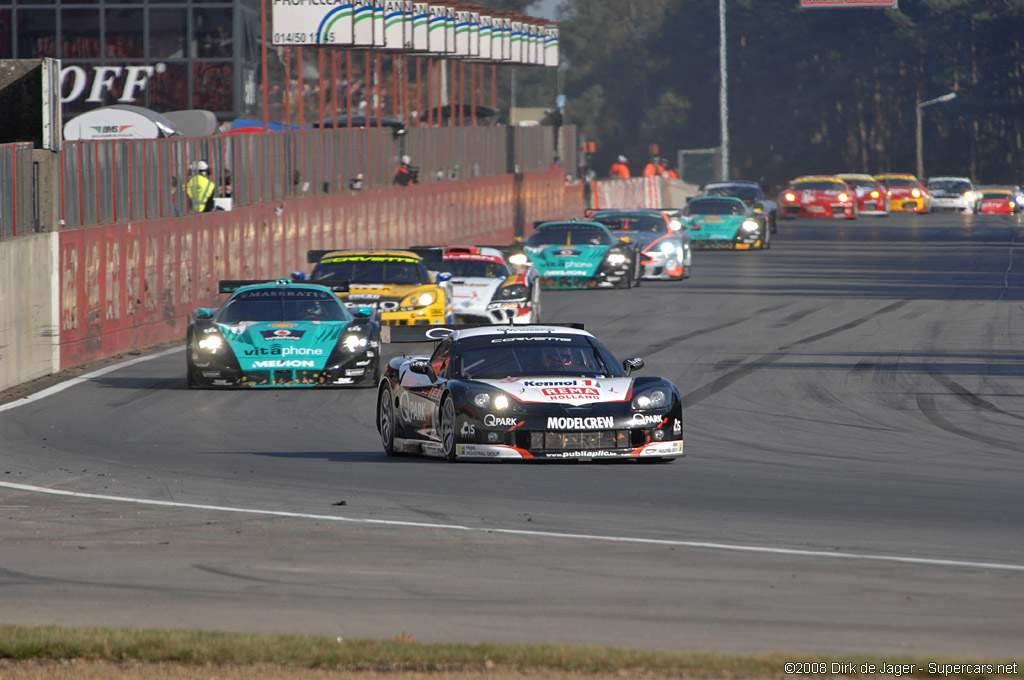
921, 561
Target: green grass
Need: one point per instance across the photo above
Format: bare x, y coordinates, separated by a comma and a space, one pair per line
403, 653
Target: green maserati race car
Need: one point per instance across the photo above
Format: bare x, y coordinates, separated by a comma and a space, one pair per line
726, 223
282, 334
577, 254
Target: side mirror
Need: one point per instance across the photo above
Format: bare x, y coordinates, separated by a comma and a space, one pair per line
203, 314
298, 276
624, 239
363, 312
422, 367
444, 276
634, 364
517, 239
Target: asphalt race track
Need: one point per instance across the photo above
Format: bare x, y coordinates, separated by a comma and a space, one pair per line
854, 406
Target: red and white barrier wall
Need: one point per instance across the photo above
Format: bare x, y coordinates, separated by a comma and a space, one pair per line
127, 286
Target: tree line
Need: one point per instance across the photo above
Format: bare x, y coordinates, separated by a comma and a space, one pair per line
809, 90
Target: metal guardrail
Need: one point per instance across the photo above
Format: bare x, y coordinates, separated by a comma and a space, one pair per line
106, 182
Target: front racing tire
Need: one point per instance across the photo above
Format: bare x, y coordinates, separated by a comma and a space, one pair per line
386, 419
448, 428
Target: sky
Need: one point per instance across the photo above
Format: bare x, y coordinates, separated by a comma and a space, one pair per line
544, 9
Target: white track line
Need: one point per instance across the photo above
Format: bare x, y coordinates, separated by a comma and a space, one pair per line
456, 527
533, 534
60, 387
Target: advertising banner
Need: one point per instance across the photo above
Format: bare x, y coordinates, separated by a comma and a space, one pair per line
420, 26
307, 22
449, 30
436, 30
362, 23
551, 45
462, 32
516, 41
486, 40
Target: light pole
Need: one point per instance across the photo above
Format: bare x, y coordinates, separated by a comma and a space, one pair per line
920, 150
723, 93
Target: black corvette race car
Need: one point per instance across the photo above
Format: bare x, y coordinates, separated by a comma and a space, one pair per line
524, 393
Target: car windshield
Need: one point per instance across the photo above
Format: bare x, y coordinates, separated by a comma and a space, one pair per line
570, 234
748, 192
997, 193
281, 305
473, 269
958, 186
898, 182
639, 222
496, 357
403, 271
863, 183
820, 185
713, 206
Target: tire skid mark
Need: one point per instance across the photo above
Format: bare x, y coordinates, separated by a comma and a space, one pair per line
796, 316
965, 395
666, 344
720, 383
926, 404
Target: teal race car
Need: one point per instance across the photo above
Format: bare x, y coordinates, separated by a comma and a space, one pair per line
726, 223
576, 254
282, 334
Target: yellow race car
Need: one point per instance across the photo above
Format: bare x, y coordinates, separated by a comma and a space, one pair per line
394, 283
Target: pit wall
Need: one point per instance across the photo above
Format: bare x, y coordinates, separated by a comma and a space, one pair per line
28, 308
86, 294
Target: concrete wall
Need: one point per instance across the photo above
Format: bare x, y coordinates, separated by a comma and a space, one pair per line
91, 293
29, 296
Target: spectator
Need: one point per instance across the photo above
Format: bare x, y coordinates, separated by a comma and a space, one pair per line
356, 183
665, 170
619, 169
406, 174
200, 188
652, 169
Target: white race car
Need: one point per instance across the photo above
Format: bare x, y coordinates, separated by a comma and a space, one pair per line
487, 289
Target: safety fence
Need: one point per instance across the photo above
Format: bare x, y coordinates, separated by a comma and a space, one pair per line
113, 181
19, 195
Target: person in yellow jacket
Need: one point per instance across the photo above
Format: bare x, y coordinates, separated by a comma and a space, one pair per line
200, 188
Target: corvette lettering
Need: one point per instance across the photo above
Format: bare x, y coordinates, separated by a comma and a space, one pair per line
546, 339
592, 423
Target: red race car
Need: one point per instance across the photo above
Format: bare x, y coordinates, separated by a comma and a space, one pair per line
872, 197
997, 201
818, 196
906, 193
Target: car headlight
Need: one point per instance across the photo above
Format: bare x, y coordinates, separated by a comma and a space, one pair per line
843, 197
354, 343
668, 248
653, 398
749, 225
211, 343
519, 259
489, 400
916, 193
969, 196
513, 292
790, 197
419, 300
616, 258
875, 194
